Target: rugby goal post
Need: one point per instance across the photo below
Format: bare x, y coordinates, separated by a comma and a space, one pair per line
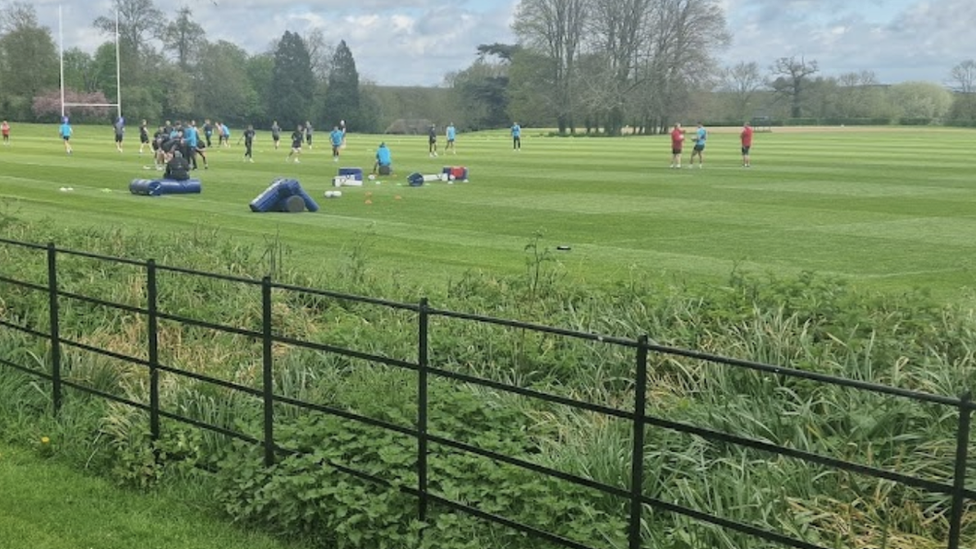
118, 70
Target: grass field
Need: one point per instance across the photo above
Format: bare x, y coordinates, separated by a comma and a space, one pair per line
47, 505
887, 208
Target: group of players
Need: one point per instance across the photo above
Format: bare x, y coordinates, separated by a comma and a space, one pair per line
701, 136
186, 142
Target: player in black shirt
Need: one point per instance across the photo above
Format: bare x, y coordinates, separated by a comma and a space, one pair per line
248, 143
143, 136
275, 133
297, 137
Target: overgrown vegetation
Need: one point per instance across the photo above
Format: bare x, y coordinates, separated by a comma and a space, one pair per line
809, 322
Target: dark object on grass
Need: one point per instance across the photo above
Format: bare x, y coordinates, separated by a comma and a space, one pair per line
563, 248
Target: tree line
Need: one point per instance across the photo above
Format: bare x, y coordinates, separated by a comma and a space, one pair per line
594, 66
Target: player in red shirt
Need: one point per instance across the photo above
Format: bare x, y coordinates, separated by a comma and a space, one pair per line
5, 129
677, 139
746, 137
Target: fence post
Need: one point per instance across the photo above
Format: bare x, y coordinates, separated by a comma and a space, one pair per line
637, 456
959, 477
52, 285
422, 365
152, 298
268, 383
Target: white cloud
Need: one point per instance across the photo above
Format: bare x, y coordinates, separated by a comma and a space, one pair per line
898, 39
416, 42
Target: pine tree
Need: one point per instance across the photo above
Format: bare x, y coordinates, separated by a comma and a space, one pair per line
342, 96
293, 82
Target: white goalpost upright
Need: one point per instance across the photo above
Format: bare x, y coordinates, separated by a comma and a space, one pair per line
118, 70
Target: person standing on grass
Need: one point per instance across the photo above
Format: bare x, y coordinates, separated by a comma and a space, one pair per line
297, 137
432, 141
516, 137
746, 137
275, 133
208, 130
201, 150
65, 132
451, 135
700, 136
143, 136
119, 133
5, 130
677, 142
336, 137
308, 134
225, 134
191, 138
248, 143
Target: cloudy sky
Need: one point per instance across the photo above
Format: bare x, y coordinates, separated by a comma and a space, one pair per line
415, 42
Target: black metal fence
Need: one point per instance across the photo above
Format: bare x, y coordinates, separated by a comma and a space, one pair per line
425, 367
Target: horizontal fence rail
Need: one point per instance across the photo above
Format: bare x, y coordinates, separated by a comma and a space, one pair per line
425, 368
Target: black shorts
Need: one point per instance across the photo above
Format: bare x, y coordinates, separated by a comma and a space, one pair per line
118, 137
276, 138
676, 150
699, 148
745, 150
144, 139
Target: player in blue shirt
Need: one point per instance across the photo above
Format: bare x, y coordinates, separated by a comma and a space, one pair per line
451, 135
700, 136
516, 137
191, 138
65, 132
384, 160
336, 138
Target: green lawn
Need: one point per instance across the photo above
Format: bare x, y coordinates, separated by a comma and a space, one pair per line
887, 208
46, 505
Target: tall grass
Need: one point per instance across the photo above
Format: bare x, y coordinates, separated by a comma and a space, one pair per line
809, 322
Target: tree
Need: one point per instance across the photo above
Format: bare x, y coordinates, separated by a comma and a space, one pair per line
742, 82
182, 37
861, 96
791, 76
555, 28
320, 54
260, 73
79, 71
482, 91
963, 80
963, 76
139, 21
342, 95
921, 100
678, 62
28, 57
235, 99
293, 81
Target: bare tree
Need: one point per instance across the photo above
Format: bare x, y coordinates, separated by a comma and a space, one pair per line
182, 37
320, 52
677, 59
963, 77
791, 76
620, 28
555, 28
741, 81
